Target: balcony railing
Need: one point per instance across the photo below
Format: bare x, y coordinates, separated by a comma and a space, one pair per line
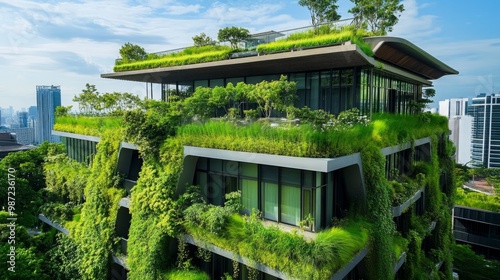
476, 239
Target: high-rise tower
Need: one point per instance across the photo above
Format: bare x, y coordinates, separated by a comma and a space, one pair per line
47, 99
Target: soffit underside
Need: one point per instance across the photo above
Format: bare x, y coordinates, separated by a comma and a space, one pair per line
408, 62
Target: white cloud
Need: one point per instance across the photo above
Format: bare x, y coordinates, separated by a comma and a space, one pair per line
414, 25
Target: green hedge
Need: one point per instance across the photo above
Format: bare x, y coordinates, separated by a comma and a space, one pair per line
188, 56
477, 200
310, 40
289, 252
87, 125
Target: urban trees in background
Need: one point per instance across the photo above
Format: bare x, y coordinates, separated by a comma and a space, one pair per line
93, 103
203, 40
378, 16
233, 35
322, 11
131, 52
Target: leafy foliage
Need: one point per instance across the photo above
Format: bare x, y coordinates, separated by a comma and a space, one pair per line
29, 179
233, 35
64, 259
477, 200
187, 56
93, 103
379, 16
95, 232
322, 11
131, 52
471, 266
325, 36
203, 40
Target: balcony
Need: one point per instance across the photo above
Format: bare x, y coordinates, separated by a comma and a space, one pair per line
476, 239
399, 210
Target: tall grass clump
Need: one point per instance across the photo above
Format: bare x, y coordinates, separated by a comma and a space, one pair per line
87, 125
289, 252
190, 55
477, 200
322, 37
306, 141
179, 274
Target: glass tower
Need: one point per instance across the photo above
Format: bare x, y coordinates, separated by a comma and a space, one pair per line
47, 99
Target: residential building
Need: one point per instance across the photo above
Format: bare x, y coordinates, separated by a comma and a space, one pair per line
485, 109
288, 189
453, 107
47, 98
32, 112
9, 144
460, 125
23, 119
478, 228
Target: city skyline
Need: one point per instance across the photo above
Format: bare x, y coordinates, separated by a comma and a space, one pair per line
72, 43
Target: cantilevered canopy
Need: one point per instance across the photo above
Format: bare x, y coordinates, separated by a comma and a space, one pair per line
348, 55
397, 53
401, 53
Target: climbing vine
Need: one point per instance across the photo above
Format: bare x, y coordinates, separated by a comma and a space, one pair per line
95, 233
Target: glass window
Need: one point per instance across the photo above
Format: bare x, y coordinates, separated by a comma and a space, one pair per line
201, 164
249, 195
230, 167
230, 184
270, 200
269, 173
215, 165
200, 83
307, 203
314, 94
217, 82
248, 169
290, 176
215, 193
290, 205
235, 81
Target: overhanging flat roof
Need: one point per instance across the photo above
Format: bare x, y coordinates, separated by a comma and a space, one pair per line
404, 54
396, 53
286, 62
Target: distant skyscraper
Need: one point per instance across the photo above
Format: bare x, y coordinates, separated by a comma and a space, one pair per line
486, 129
32, 112
47, 99
23, 119
460, 124
453, 107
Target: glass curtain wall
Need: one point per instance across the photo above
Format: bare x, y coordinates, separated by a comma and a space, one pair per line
283, 195
368, 89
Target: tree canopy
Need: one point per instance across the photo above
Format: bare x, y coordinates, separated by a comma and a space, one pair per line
322, 11
379, 16
130, 52
203, 40
233, 35
91, 102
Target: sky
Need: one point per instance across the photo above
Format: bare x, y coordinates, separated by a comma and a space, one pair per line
70, 43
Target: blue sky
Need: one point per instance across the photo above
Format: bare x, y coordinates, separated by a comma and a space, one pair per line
70, 43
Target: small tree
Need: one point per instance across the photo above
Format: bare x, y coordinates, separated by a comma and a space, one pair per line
274, 95
322, 11
130, 52
203, 40
379, 16
233, 35
421, 103
62, 111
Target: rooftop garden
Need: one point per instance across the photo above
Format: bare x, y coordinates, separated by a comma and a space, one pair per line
214, 118
322, 36
477, 200
287, 252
